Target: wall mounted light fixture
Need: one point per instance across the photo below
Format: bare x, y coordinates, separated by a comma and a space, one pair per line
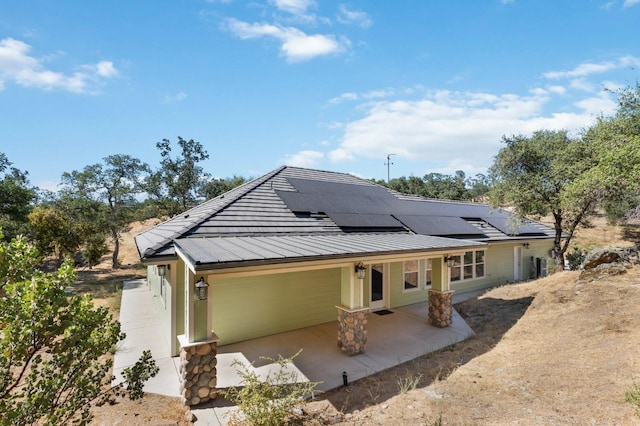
201, 289
360, 270
449, 260
162, 270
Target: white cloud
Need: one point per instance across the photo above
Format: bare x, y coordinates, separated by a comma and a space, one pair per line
629, 3
582, 84
356, 17
106, 69
560, 90
348, 96
306, 158
16, 65
295, 7
180, 96
377, 94
453, 128
588, 68
295, 44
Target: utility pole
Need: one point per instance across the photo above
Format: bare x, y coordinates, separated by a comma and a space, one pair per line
388, 163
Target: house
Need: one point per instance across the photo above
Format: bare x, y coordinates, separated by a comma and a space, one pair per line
298, 247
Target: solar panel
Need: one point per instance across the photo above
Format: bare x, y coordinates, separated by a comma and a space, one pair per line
320, 196
505, 225
439, 225
366, 220
371, 206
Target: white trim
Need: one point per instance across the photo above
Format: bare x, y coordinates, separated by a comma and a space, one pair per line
209, 280
382, 303
185, 343
248, 271
189, 314
424, 270
517, 263
417, 271
472, 264
174, 303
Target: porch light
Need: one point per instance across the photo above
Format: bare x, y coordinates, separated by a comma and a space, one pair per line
360, 271
162, 270
201, 289
525, 245
450, 260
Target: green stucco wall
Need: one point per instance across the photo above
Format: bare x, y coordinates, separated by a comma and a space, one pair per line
245, 308
397, 296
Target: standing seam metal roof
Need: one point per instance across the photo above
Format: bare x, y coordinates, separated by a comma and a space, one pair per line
209, 253
259, 209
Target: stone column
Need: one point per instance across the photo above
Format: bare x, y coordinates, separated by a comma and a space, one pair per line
198, 374
440, 308
352, 330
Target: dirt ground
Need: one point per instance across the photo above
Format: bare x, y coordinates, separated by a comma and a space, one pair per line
550, 351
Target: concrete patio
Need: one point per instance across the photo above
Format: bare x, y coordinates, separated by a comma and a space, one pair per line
393, 339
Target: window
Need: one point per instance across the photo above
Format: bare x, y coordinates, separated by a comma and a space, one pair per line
468, 266
428, 273
411, 275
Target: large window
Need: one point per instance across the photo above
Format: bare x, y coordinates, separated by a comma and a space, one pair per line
411, 275
468, 266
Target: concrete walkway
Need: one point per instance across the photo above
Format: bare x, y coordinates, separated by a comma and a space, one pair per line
392, 339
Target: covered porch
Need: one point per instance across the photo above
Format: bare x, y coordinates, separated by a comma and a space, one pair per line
393, 339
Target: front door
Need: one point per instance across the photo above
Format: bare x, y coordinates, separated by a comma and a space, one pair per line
517, 263
378, 290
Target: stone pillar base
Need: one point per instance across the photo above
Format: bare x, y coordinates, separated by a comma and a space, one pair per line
352, 330
198, 374
440, 308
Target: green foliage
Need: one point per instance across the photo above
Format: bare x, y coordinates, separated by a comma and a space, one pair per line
16, 198
441, 186
115, 184
214, 187
271, 401
176, 184
575, 258
408, 382
71, 225
633, 395
52, 364
536, 175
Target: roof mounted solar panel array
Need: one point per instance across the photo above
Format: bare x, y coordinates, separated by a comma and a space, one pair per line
365, 220
505, 225
364, 207
323, 196
439, 225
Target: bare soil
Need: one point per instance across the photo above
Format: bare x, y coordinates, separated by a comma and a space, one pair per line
550, 351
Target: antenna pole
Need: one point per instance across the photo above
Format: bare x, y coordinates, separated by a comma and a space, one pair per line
388, 163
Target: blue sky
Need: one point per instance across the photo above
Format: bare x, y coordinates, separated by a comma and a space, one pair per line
314, 83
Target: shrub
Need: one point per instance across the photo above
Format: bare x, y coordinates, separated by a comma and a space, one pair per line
271, 401
575, 259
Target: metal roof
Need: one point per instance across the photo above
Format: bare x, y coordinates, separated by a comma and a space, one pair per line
211, 253
292, 201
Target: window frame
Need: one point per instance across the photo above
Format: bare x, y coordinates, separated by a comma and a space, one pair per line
465, 269
428, 272
406, 289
